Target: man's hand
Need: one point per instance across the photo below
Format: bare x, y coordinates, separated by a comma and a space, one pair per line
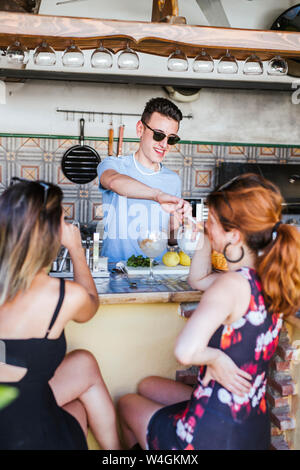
174, 205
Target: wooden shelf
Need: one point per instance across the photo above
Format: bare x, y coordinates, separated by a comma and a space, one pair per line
153, 38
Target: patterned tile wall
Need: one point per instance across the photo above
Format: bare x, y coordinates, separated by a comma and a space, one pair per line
37, 158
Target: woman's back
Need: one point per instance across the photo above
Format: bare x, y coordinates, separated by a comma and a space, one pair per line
214, 417
41, 423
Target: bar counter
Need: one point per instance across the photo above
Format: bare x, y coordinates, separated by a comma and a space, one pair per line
117, 290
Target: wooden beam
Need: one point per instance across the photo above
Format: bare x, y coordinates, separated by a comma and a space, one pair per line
153, 38
166, 11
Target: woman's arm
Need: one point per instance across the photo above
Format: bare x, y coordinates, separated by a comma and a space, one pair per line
83, 290
227, 298
201, 276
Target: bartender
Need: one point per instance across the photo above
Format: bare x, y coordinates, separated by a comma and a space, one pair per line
138, 191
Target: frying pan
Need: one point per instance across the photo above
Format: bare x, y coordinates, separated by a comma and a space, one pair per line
79, 163
289, 20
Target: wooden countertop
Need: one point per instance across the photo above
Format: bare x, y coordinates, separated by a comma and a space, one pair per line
116, 290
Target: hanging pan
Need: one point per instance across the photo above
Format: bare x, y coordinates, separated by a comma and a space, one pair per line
79, 163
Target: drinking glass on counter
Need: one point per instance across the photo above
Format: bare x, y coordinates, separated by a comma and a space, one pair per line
152, 243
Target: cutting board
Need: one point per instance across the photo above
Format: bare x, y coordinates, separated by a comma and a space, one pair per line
178, 270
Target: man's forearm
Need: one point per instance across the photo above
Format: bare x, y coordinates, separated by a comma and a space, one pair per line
126, 186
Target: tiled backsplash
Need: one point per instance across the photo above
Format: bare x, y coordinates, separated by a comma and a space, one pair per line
195, 163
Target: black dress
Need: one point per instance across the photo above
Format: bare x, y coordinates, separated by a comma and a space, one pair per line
34, 421
214, 418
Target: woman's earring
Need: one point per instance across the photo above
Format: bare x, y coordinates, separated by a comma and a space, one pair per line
231, 260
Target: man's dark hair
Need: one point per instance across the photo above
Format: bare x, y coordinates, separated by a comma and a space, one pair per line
162, 106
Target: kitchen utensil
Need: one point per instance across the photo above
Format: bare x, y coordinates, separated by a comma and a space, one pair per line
79, 163
120, 143
65, 252
152, 243
121, 267
111, 139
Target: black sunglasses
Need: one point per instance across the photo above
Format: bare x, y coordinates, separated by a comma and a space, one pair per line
158, 136
45, 186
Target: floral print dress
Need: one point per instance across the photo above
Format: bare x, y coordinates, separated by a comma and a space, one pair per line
215, 418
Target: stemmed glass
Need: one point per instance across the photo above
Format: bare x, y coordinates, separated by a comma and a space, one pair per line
17, 54
102, 58
73, 57
128, 59
277, 66
203, 63
188, 237
44, 55
253, 66
152, 243
228, 64
177, 62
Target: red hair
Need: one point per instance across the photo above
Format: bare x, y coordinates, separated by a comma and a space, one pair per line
253, 205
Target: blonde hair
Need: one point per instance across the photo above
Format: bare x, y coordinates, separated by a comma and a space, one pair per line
253, 205
29, 234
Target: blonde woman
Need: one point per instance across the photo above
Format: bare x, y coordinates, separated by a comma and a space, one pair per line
232, 334
59, 395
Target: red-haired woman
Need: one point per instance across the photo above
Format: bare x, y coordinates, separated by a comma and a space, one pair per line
232, 333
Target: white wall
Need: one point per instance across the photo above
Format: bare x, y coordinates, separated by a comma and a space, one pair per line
255, 14
219, 115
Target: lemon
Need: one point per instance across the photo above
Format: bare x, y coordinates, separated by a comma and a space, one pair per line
171, 258
184, 259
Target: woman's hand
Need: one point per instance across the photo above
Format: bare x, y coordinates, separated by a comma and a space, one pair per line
224, 371
70, 236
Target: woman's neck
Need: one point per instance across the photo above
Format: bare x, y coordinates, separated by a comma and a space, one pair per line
248, 260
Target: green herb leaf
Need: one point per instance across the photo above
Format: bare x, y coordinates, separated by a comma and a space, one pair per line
139, 261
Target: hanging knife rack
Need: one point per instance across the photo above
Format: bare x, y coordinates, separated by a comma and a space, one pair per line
92, 114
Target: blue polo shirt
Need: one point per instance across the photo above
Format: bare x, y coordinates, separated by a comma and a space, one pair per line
125, 218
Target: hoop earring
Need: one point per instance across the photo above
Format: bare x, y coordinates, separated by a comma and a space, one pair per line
231, 260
